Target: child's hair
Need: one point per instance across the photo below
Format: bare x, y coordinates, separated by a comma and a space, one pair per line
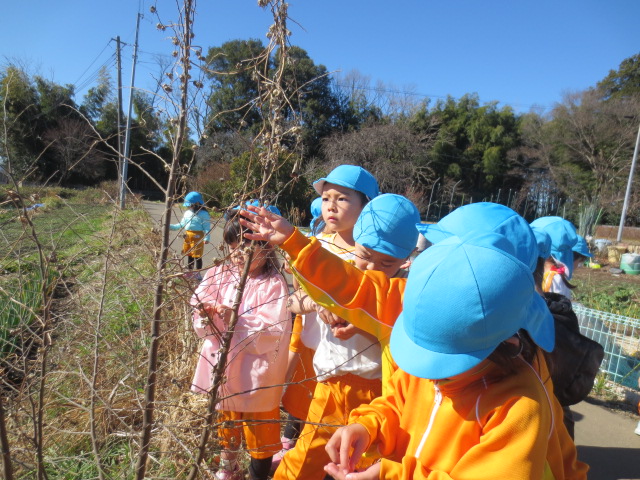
506, 354
363, 198
538, 273
233, 233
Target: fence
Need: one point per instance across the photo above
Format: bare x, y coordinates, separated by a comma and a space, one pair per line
620, 337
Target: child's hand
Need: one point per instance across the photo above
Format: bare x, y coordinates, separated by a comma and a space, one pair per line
345, 448
344, 331
371, 473
224, 312
204, 309
266, 225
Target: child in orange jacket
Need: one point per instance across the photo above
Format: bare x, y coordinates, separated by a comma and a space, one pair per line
466, 401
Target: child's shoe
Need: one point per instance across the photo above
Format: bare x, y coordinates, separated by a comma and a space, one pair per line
637, 430
224, 474
287, 444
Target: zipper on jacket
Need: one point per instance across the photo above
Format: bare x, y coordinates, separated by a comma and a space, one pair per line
437, 401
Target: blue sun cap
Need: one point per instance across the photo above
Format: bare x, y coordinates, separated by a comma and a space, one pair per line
563, 238
582, 247
544, 242
487, 217
271, 208
350, 176
387, 224
193, 198
463, 297
316, 213
253, 203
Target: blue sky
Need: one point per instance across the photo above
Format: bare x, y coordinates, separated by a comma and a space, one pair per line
522, 53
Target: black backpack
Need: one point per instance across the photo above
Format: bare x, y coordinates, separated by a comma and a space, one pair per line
575, 359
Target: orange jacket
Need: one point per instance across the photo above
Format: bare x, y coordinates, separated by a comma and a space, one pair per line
477, 426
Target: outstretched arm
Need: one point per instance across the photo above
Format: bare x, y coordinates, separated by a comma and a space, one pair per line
265, 225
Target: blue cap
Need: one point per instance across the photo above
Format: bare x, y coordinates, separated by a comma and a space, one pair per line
487, 217
582, 247
544, 242
463, 297
316, 207
387, 224
350, 176
563, 237
193, 198
256, 203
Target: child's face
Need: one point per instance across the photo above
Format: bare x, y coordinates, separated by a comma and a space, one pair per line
367, 259
239, 253
341, 207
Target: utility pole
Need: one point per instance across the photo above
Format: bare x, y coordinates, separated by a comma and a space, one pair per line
127, 137
120, 146
627, 195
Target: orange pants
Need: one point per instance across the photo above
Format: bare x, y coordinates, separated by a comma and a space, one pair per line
332, 402
193, 244
261, 432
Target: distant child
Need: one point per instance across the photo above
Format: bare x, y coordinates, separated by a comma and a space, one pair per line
254, 375
317, 223
560, 264
197, 223
466, 401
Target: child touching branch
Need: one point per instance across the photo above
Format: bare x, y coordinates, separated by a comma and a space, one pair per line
254, 374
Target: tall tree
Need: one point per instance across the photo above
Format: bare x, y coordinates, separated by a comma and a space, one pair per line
232, 70
624, 82
589, 143
472, 143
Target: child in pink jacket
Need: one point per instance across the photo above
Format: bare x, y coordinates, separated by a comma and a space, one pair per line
257, 361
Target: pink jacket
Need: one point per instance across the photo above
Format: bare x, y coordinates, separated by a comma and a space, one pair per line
259, 347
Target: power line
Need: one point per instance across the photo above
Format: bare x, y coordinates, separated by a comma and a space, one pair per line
94, 61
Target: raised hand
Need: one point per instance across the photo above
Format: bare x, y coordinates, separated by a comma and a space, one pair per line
265, 225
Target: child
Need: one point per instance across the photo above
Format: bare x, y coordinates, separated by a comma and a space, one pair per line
317, 224
559, 265
465, 401
575, 359
196, 223
348, 370
254, 374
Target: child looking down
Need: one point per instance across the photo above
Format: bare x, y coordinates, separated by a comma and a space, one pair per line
466, 401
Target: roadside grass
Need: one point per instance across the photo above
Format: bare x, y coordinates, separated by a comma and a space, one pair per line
104, 260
